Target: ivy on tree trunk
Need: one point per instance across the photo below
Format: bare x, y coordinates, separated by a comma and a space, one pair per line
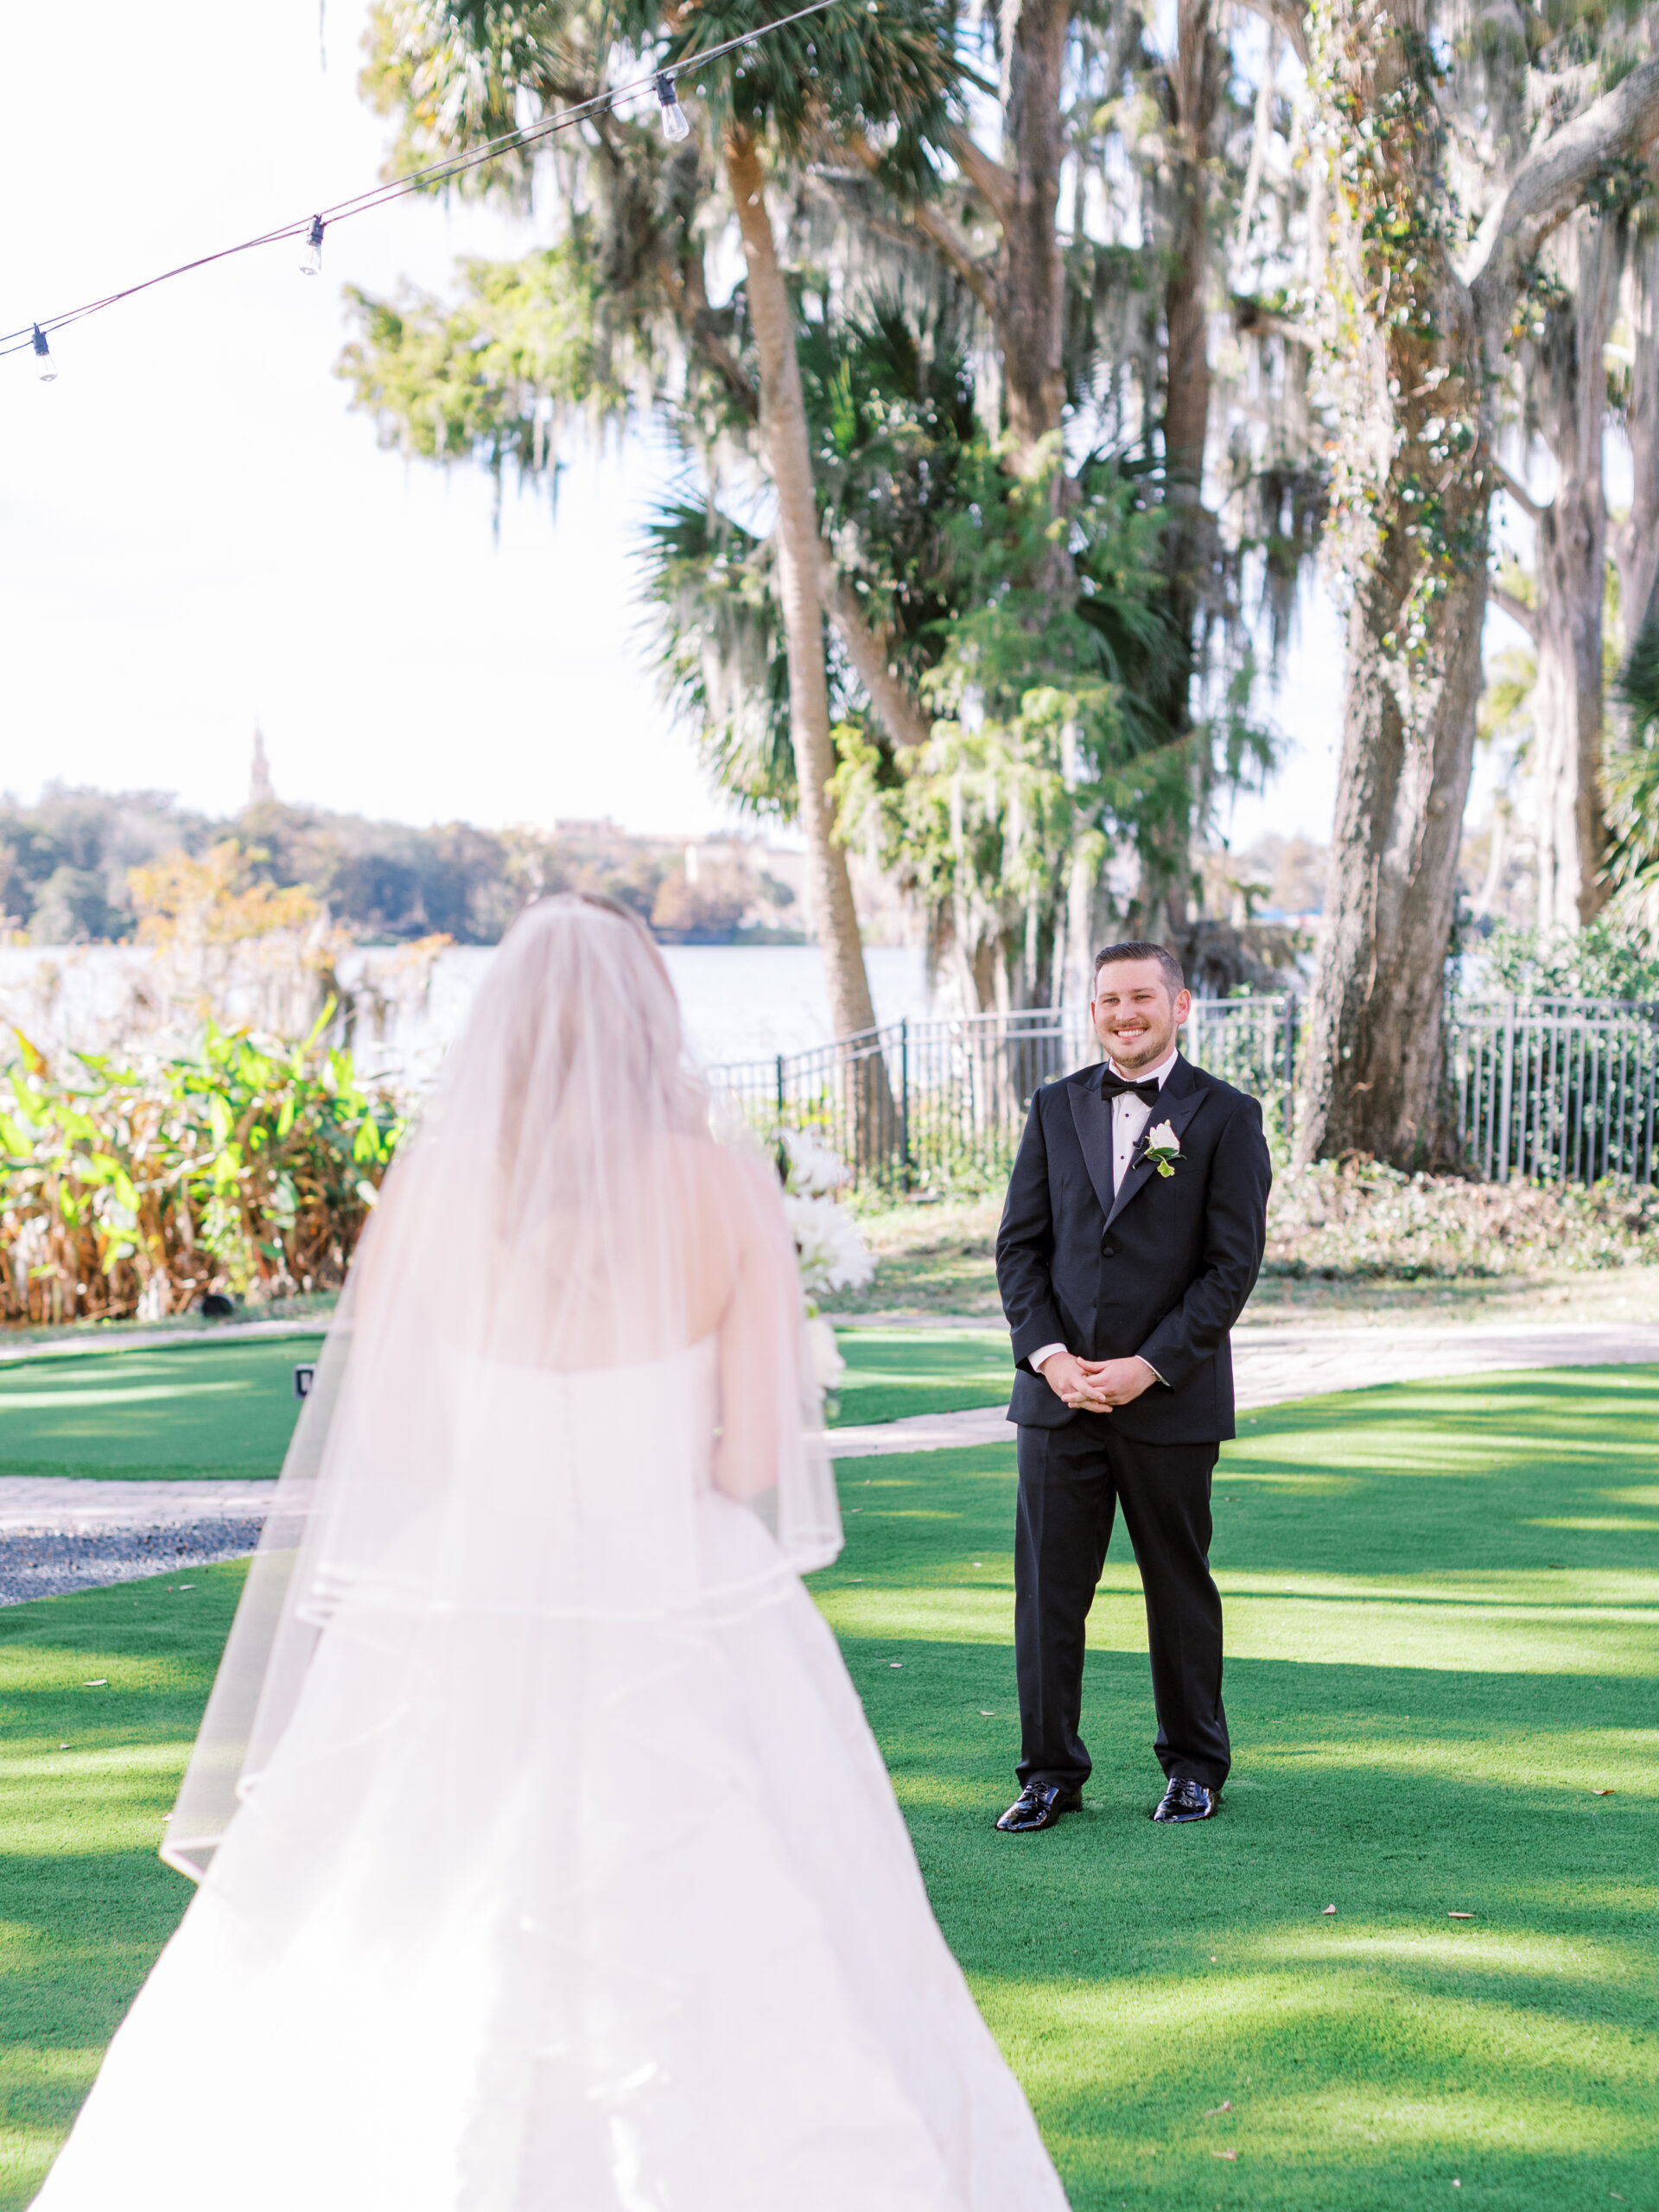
1417, 328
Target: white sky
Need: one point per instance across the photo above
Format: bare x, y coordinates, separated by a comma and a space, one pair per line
196, 534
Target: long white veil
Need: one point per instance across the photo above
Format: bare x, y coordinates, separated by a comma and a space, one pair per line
560, 1230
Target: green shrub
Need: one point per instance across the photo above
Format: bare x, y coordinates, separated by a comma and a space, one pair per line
248, 1168
1357, 1219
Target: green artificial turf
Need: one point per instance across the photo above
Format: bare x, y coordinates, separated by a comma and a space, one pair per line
1443, 1635
1443, 1629
100, 1694
195, 1410
892, 1372
181, 1410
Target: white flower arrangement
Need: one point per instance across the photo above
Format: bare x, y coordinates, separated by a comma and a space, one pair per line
810, 1169
824, 1354
829, 1250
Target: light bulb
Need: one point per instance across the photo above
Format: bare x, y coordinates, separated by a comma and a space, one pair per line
677, 126
312, 264
46, 367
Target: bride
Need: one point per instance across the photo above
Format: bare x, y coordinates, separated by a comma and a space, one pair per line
546, 1860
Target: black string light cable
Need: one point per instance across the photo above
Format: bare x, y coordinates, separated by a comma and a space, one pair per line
307, 230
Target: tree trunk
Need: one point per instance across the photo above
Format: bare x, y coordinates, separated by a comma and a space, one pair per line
1030, 276
1570, 396
1636, 540
1372, 1064
1419, 342
1160, 906
1414, 500
1195, 89
867, 1092
789, 464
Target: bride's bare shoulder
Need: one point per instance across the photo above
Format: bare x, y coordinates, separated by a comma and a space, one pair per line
717, 1174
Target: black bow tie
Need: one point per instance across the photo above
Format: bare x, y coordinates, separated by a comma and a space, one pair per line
1114, 1086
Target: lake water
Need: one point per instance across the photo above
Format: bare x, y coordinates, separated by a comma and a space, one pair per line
740, 1003
748, 1002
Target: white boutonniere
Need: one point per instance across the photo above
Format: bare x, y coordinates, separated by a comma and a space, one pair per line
1163, 1149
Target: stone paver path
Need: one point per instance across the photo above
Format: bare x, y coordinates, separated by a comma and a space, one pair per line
207, 1332
59, 1533
1272, 1364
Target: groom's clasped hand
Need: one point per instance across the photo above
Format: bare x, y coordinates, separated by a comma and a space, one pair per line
1096, 1385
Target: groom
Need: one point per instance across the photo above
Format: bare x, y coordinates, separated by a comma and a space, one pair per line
1131, 1238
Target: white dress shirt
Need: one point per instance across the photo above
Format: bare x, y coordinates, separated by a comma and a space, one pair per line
1129, 1116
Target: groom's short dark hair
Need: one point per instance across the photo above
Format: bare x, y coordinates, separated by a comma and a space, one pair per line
1173, 976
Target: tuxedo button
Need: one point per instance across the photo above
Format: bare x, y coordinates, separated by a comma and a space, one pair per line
1107, 1251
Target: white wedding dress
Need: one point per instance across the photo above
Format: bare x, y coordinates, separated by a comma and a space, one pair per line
545, 1903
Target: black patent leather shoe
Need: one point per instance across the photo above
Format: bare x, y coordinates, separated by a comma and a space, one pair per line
1038, 1805
1186, 1800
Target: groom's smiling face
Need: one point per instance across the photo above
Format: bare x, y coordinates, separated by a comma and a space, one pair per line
1136, 1014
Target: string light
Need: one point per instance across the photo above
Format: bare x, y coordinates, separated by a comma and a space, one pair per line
676, 127
45, 364
307, 230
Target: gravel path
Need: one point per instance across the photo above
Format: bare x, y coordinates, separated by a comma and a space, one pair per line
45, 1561
60, 1533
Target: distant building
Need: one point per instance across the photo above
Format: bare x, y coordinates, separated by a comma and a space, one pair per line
260, 791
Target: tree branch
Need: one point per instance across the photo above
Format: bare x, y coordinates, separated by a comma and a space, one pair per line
904, 720
942, 233
1552, 181
994, 185
1287, 19
1517, 490
1252, 320
689, 297
1517, 610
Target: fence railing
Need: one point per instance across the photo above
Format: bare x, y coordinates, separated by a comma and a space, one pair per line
1558, 1090
936, 1105
1540, 1088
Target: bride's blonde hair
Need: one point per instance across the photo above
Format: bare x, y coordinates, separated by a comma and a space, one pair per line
561, 1215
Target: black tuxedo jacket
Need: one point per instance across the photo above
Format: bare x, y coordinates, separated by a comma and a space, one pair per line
1163, 1269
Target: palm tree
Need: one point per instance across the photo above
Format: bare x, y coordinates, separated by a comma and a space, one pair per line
885, 65
454, 72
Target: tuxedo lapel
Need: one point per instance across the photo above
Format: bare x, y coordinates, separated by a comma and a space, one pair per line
1179, 1099
1093, 1116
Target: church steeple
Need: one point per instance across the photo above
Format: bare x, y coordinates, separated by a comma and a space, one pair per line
260, 791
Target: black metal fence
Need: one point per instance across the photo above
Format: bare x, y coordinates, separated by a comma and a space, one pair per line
939, 1105
1541, 1088
1556, 1091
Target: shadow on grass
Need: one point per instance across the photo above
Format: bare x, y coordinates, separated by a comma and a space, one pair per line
181, 1410
894, 1372
1141, 1978
1166, 1995
85, 1775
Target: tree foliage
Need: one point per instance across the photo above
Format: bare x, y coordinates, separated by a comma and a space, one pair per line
906, 293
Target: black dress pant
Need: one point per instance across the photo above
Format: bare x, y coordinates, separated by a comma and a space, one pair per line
1072, 1479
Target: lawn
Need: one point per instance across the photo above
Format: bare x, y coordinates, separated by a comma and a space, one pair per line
893, 1372
228, 1409
99, 1696
181, 1410
1442, 1606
